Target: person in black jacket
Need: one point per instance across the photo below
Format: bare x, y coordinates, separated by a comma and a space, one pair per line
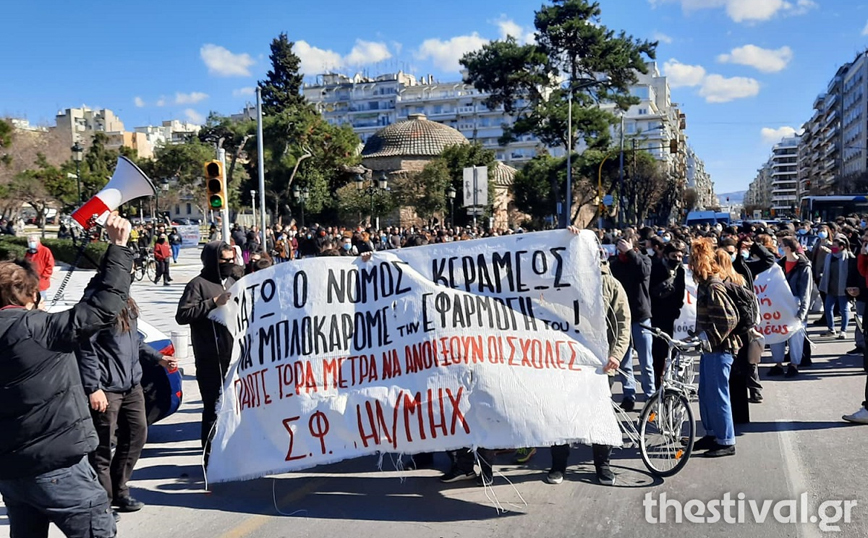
111, 375
667, 287
47, 430
633, 271
212, 342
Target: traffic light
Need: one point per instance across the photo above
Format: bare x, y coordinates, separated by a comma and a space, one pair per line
214, 184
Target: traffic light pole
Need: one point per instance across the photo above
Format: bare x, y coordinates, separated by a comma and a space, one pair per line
221, 156
260, 164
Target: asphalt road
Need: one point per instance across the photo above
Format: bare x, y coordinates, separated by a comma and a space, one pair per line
795, 444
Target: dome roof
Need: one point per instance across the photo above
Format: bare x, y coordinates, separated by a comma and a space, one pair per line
504, 174
416, 137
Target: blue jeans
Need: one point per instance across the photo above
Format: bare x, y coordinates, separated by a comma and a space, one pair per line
843, 305
715, 409
797, 346
176, 249
69, 497
642, 341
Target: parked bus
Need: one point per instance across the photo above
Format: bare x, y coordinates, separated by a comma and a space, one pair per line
828, 208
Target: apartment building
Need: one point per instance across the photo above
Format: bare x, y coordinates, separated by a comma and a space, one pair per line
169, 132
79, 124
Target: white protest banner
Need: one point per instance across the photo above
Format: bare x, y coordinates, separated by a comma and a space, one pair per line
686, 322
494, 343
189, 236
778, 307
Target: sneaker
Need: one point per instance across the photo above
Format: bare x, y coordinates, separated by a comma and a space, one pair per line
555, 477
842, 336
859, 417
829, 334
605, 475
705, 443
775, 370
792, 371
128, 504
855, 351
720, 450
628, 405
455, 475
756, 399
484, 480
523, 455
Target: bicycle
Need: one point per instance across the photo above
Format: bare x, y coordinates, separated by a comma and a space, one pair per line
666, 428
144, 264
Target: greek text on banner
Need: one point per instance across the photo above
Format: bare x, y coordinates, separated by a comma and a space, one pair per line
492, 343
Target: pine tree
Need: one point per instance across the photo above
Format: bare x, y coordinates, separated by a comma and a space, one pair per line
281, 89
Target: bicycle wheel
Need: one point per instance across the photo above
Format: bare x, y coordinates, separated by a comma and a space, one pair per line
666, 432
151, 270
139, 272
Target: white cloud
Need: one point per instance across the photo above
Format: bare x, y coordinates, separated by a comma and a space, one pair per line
222, 62
139, 102
509, 27
193, 116
773, 136
161, 101
681, 75
445, 54
661, 37
765, 60
367, 52
315, 60
865, 30
747, 10
190, 98
249, 90
719, 89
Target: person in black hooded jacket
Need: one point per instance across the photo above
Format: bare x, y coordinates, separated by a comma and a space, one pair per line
111, 375
47, 430
212, 342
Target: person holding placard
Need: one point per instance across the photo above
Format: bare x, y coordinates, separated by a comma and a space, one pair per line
797, 269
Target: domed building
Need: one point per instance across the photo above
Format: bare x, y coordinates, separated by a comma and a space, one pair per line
406, 147
403, 149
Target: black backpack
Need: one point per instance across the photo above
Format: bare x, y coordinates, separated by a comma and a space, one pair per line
746, 305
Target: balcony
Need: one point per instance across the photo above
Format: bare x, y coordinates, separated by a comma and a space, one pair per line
466, 126
442, 113
466, 109
829, 164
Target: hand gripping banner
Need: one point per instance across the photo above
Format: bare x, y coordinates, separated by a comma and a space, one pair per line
495, 343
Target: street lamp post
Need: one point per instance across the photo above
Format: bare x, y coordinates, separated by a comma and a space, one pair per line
77, 152
372, 190
253, 201
301, 195
451, 194
164, 185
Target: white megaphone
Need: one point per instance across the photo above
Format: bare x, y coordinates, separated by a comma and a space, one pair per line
127, 183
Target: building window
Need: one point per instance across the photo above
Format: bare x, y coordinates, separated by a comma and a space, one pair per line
177, 210
189, 208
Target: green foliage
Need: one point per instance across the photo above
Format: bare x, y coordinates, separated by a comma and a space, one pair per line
281, 89
354, 204
6, 132
63, 250
571, 44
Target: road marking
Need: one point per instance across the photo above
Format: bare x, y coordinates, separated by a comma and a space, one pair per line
794, 473
254, 523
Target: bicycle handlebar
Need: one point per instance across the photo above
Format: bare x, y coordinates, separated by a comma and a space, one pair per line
691, 342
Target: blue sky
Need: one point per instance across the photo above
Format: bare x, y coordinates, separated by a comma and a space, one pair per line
744, 71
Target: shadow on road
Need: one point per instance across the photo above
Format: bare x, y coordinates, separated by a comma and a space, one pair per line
761, 427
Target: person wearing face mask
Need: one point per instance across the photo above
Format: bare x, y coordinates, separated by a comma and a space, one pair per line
806, 236
43, 262
666, 289
821, 249
212, 342
347, 248
797, 269
840, 266
752, 258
